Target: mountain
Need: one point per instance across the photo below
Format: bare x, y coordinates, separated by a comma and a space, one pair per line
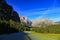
42, 22
25, 20
9, 19
7, 12
47, 21
57, 22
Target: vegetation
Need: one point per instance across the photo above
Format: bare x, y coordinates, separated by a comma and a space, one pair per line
43, 36
10, 22
47, 29
9, 19
11, 26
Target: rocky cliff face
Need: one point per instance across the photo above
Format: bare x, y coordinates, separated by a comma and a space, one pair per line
7, 12
42, 22
25, 20
8, 18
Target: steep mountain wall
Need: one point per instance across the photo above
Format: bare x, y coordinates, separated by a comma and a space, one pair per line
7, 12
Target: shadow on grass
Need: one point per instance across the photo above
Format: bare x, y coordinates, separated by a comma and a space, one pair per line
15, 36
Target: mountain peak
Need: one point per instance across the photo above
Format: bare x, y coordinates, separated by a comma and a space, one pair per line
42, 21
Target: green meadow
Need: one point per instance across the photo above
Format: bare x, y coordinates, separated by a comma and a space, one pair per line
42, 36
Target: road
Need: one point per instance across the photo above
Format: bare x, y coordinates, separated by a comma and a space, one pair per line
31, 36
15, 36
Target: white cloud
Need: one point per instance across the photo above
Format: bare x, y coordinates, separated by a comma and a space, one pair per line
49, 11
42, 16
34, 12
41, 12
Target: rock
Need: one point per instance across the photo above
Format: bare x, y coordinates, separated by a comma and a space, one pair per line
25, 20
7, 12
42, 22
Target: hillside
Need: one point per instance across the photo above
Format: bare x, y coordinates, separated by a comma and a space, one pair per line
42, 22
7, 12
8, 18
25, 20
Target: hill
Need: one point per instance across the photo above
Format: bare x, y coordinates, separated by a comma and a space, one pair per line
9, 19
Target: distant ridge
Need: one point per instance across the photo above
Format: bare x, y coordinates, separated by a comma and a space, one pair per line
45, 21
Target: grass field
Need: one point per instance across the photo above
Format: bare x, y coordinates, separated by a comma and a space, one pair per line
40, 36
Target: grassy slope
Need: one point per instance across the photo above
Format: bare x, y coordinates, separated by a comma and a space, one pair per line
40, 36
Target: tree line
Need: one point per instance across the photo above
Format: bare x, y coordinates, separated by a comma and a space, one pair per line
47, 29
9, 19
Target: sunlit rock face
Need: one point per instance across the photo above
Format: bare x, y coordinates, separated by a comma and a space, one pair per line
43, 22
47, 21
7, 12
25, 20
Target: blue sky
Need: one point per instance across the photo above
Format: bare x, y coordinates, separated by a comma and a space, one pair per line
37, 9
